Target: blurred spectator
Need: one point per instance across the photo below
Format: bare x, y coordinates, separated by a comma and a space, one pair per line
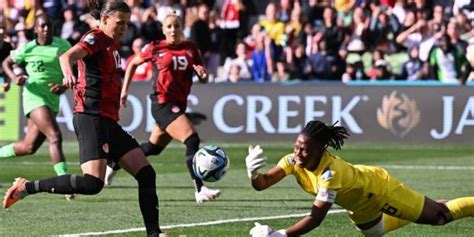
5, 46
201, 34
298, 63
229, 13
284, 10
260, 72
240, 61
447, 62
382, 70
214, 58
144, 71
384, 27
281, 74
453, 30
418, 34
72, 29
354, 71
275, 30
330, 31
294, 26
469, 74
359, 30
413, 69
324, 64
251, 40
150, 26
164, 7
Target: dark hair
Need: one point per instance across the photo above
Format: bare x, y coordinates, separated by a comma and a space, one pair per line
100, 8
45, 17
326, 135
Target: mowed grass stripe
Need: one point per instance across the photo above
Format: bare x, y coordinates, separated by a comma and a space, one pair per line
208, 223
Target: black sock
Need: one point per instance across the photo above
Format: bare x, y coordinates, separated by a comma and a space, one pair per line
197, 182
148, 199
66, 184
151, 149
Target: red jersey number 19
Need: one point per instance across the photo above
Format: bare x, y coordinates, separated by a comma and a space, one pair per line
180, 63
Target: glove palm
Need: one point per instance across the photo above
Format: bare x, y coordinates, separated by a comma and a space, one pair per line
255, 161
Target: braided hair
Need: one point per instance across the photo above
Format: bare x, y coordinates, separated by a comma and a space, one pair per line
326, 135
100, 8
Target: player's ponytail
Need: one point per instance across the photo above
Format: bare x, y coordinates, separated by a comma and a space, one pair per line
100, 8
326, 135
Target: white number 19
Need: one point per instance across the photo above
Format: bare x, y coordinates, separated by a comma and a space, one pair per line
180, 63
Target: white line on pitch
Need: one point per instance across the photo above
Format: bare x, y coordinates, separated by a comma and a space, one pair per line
400, 167
218, 222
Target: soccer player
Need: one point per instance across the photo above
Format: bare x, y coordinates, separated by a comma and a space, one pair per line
42, 87
97, 102
174, 61
376, 201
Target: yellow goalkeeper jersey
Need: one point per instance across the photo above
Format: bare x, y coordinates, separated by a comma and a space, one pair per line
356, 186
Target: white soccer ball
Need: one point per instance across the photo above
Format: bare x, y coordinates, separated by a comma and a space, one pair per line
210, 163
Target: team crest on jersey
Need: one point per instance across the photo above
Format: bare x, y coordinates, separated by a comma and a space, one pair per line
105, 147
90, 39
175, 109
327, 174
291, 160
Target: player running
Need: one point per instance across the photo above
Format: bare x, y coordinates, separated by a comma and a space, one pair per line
174, 61
97, 102
377, 202
42, 87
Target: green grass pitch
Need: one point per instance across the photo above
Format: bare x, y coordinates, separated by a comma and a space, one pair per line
116, 207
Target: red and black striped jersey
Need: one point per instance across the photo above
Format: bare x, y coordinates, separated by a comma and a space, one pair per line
99, 80
172, 70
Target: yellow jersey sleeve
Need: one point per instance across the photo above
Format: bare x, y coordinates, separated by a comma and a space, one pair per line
287, 163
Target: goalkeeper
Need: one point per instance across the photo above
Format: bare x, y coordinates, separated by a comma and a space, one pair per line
377, 202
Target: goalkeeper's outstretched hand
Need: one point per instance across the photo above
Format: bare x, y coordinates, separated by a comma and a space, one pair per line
255, 161
265, 231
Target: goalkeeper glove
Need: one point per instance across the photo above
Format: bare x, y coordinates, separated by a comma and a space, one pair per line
255, 161
265, 231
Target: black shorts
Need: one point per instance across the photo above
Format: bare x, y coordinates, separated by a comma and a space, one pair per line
101, 138
166, 113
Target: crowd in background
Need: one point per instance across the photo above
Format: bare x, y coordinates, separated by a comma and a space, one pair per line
337, 40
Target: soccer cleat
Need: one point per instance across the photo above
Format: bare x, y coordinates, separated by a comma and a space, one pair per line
206, 194
15, 193
69, 197
109, 175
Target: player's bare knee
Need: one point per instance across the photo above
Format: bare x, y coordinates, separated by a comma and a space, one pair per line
55, 138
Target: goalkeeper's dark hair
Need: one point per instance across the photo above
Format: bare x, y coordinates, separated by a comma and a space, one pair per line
326, 135
100, 8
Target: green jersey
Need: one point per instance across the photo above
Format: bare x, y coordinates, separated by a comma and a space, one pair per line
42, 66
41, 61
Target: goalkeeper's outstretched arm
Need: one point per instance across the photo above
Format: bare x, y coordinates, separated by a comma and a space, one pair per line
265, 180
254, 161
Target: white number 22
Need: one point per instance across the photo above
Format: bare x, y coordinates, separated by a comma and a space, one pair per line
180, 63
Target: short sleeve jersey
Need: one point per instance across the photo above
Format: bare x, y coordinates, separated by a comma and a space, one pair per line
354, 184
41, 61
172, 70
99, 81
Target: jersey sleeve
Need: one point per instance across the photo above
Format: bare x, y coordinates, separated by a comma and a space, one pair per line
331, 178
147, 52
287, 163
92, 43
18, 55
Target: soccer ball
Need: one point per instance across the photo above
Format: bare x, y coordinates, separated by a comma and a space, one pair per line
210, 163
